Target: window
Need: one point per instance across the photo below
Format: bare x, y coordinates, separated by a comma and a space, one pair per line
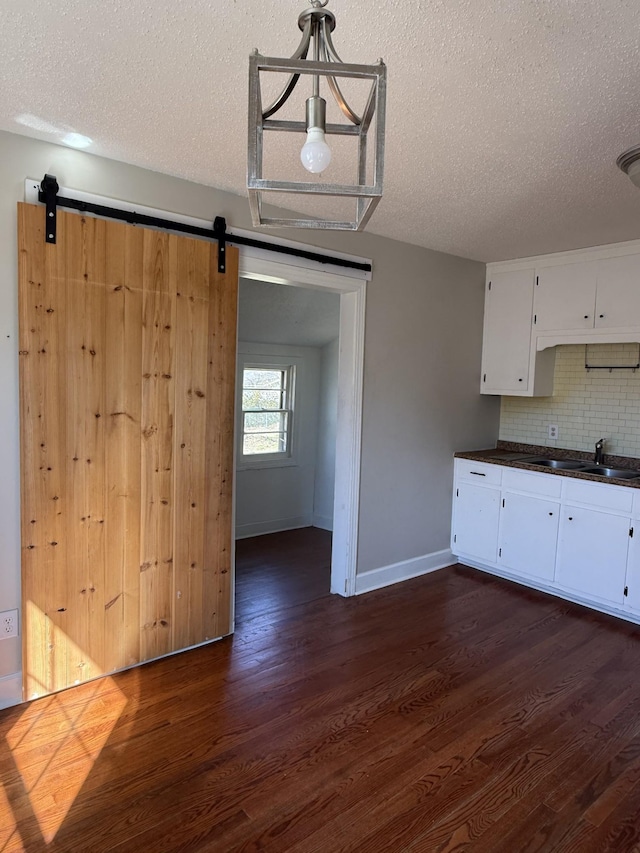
267, 399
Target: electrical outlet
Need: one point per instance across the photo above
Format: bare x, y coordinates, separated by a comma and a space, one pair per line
552, 430
8, 624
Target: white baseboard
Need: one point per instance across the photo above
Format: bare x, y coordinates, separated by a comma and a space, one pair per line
565, 594
276, 525
11, 690
403, 571
324, 522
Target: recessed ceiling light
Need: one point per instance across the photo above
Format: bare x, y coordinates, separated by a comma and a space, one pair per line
76, 140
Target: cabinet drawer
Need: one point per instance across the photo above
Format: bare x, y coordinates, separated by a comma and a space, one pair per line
479, 472
616, 498
545, 485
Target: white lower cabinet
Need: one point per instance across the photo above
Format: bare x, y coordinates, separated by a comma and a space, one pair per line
528, 535
592, 553
565, 535
633, 570
476, 518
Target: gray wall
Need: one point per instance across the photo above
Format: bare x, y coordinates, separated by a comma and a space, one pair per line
422, 362
423, 346
280, 496
326, 454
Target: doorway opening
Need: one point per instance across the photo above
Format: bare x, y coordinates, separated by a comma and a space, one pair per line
286, 415
298, 417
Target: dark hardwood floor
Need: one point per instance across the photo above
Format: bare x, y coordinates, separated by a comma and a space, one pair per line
453, 712
281, 570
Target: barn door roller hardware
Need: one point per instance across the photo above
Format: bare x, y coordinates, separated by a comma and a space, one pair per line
48, 195
220, 233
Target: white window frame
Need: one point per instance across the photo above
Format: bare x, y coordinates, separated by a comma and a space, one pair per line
260, 356
280, 458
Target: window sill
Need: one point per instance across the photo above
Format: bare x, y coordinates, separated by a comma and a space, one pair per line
267, 463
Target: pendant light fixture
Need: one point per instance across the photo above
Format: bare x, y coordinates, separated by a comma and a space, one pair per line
321, 72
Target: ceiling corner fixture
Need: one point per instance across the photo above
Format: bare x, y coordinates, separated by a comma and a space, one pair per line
317, 24
629, 162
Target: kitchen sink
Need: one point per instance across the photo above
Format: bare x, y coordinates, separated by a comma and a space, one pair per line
583, 467
619, 473
564, 464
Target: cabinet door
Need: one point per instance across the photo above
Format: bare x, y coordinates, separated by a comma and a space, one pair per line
529, 535
477, 511
506, 342
632, 599
592, 553
618, 292
565, 297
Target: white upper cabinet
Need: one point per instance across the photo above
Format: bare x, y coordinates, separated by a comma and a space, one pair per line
599, 294
510, 365
534, 304
618, 292
565, 297
506, 343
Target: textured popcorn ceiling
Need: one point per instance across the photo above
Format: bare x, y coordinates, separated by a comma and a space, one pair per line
505, 117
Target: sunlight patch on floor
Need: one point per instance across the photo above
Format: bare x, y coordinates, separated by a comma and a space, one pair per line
55, 745
9, 835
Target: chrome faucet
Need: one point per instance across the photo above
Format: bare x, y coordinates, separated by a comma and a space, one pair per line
599, 455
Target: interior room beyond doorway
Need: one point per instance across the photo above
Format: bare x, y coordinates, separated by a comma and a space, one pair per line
286, 420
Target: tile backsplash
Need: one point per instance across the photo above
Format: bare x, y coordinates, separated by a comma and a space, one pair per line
586, 405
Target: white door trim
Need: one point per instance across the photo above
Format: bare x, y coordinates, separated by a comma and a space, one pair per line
349, 417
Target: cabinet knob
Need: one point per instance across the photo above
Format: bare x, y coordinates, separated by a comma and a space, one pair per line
550, 513
570, 518
601, 316
519, 380
586, 316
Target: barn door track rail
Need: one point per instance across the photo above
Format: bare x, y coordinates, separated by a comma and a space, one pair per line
48, 195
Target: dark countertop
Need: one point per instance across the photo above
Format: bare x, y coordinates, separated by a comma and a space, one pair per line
511, 455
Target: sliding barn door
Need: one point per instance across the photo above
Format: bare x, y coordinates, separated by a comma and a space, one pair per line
127, 354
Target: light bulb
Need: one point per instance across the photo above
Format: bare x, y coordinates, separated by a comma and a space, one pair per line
315, 154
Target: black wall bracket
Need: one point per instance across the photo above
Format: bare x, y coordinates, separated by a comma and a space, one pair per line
49, 195
220, 233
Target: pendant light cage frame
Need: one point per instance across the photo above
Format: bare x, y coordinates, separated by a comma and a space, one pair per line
366, 196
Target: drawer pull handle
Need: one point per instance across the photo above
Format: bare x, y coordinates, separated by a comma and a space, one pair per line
477, 473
